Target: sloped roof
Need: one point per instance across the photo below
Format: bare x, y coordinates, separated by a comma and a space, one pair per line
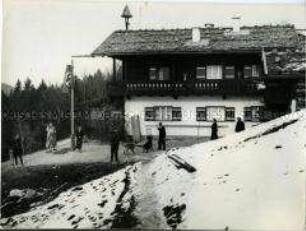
219, 39
286, 62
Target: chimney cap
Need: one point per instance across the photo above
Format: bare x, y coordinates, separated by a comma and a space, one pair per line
209, 25
126, 12
237, 17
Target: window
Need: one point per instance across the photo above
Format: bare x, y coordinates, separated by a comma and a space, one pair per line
247, 114
201, 113
215, 112
255, 70
149, 114
161, 73
247, 72
229, 72
251, 71
252, 113
163, 113
256, 113
201, 72
230, 114
176, 114
153, 73
164, 73
214, 72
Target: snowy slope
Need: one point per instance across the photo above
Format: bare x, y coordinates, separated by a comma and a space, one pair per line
252, 180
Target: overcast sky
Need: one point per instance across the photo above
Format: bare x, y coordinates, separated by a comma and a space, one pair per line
41, 36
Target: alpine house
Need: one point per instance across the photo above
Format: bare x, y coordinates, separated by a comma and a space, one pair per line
185, 78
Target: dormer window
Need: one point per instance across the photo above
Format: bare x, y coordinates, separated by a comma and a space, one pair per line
160, 73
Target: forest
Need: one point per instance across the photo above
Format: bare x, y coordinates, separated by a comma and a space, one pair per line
27, 109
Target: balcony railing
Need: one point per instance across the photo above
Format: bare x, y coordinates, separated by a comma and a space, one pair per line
206, 87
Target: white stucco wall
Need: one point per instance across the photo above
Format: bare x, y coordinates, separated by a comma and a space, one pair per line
188, 126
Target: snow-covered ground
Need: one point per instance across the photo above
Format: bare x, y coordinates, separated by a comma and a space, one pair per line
254, 180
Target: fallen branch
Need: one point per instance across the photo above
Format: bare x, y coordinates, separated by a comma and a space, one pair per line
180, 163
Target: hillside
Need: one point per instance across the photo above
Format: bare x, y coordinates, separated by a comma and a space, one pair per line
251, 180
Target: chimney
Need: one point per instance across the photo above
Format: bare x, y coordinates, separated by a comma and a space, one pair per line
209, 25
236, 20
196, 34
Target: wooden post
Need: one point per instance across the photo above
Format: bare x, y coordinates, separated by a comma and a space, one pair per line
114, 70
72, 107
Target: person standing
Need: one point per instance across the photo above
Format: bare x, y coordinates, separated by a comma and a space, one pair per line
214, 130
79, 138
115, 142
48, 139
161, 137
239, 125
17, 150
53, 137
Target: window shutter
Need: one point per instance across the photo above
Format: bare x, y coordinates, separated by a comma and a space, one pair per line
149, 114
152, 73
247, 114
247, 72
230, 114
229, 72
201, 113
176, 114
201, 72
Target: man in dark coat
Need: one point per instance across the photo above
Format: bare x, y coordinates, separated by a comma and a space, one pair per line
115, 141
79, 138
161, 137
214, 130
17, 150
239, 125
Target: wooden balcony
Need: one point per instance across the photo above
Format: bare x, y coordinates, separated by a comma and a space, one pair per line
167, 88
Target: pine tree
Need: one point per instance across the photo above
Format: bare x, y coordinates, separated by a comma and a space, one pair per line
18, 87
28, 85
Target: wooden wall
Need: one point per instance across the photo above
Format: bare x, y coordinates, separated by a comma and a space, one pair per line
137, 67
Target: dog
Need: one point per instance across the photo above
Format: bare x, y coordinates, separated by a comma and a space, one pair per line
130, 147
148, 145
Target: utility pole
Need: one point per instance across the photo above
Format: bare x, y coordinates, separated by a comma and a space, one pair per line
72, 106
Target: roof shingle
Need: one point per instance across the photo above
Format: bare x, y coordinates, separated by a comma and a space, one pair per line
217, 39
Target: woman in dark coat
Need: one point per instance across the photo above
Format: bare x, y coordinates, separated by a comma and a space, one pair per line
240, 125
214, 130
17, 150
79, 138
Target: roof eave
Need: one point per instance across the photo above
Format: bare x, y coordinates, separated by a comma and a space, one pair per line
143, 53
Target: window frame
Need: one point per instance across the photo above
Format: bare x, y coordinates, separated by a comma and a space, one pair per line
251, 109
255, 71
159, 114
218, 120
152, 118
199, 110
155, 73
158, 72
219, 70
252, 69
203, 67
226, 68
179, 111
227, 110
